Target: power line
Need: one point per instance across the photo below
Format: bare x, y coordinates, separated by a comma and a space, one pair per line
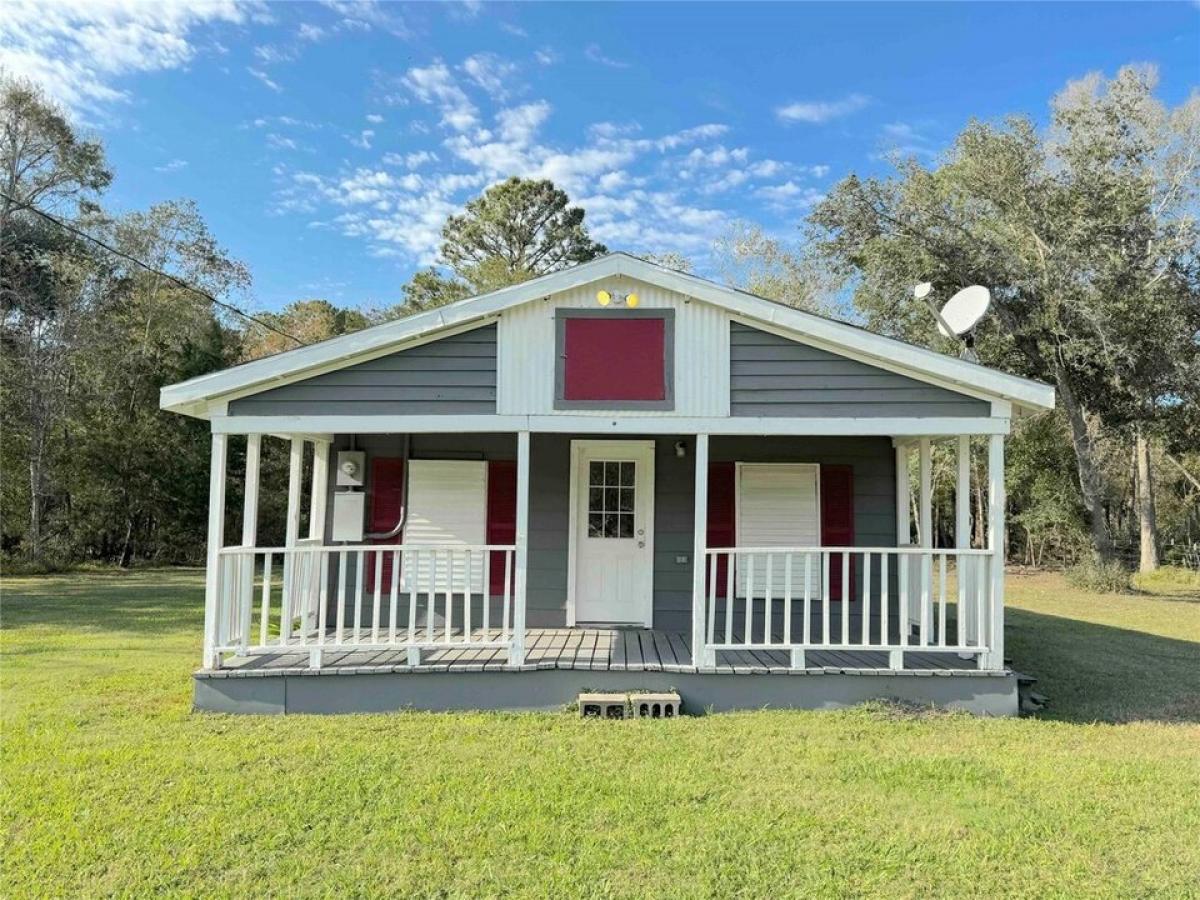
67, 226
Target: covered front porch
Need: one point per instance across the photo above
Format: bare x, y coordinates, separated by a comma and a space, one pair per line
873, 604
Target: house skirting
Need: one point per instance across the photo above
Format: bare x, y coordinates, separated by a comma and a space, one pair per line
362, 691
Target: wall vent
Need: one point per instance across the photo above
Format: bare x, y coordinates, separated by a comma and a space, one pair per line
634, 705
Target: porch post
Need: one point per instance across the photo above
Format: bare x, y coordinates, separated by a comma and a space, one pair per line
216, 540
996, 504
249, 531
903, 497
517, 654
320, 484
925, 527
903, 538
962, 538
291, 534
700, 656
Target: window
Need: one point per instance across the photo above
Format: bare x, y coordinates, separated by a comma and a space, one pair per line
778, 505
615, 359
447, 505
610, 499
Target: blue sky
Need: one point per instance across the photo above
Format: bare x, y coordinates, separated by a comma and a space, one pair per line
326, 142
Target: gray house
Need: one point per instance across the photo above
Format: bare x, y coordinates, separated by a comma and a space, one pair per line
615, 477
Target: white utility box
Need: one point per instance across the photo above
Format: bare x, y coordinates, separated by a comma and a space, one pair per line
348, 508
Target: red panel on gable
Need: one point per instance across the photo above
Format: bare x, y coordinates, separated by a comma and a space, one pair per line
722, 524
614, 359
501, 518
837, 522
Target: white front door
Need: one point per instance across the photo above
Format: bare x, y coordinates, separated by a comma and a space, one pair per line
612, 532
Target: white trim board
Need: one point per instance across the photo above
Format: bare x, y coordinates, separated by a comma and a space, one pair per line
607, 424
192, 396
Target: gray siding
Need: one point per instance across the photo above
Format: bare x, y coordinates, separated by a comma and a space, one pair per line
549, 507
454, 375
770, 375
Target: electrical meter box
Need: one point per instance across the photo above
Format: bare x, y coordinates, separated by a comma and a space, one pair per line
348, 508
351, 468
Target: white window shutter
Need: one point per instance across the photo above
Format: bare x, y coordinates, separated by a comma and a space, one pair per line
778, 505
447, 506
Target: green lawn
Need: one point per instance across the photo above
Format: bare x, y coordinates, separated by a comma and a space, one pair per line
111, 785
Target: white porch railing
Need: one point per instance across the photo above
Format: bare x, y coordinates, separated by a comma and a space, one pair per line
365, 597
892, 599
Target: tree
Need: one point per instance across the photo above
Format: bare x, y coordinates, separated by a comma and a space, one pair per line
763, 265
516, 230
1086, 236
43, 163
44, 291
309, 321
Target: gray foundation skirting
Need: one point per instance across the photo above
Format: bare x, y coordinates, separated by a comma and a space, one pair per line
361, 690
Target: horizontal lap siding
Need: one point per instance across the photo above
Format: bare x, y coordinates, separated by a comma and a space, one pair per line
453, 375
770, 376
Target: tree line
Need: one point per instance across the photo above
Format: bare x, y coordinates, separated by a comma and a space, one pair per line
1085, 231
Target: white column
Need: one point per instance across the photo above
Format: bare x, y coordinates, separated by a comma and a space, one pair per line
903, 498
216, 540
925, 531
320, 486
962, 539
903, 538
292, 534
700, 657
249, 532
925, 495
517, 655
996, 503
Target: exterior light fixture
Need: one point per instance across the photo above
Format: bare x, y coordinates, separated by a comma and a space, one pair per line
604, 298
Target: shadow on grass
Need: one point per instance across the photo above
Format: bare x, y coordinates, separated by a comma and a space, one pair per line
141, 602
1099, 673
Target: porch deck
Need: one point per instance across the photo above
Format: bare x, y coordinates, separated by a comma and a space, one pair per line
587, 649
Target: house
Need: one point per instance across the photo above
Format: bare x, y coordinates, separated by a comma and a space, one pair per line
615, 476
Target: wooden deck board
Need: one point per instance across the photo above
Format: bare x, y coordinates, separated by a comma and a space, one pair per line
621, 649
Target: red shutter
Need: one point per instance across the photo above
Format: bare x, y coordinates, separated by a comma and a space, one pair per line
837, 522
501, 516
722, 525
387, 501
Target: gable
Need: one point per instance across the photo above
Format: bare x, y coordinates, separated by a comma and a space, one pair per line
453, 375
772, 376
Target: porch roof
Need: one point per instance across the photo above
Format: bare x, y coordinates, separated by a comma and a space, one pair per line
198, 396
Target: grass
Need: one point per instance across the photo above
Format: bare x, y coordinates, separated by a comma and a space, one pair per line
111, 785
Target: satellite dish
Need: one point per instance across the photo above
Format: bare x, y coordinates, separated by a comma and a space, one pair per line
963, 311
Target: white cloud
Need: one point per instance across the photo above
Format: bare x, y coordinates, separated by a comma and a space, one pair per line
365, 15
374, 118
270, 54
309, 32
817, 111
435, 85
264, 78
905, 139
514, 30
546, 56
490, 72
790, 195
521, 123
363, 140
173, 166
596, 55
412, 160
279, 142
80, 50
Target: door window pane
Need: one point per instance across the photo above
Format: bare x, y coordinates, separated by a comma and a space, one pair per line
611, 499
